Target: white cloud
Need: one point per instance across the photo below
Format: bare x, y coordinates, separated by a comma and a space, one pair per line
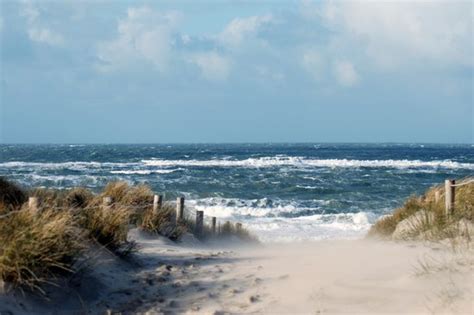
35, 27
313, 62
267, 73
394, 33
240, 28
45, 35
144, 34
213, 66
345, 73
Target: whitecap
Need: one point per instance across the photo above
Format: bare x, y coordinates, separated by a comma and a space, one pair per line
265, 162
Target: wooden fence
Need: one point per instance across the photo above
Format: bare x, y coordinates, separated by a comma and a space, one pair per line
181, 215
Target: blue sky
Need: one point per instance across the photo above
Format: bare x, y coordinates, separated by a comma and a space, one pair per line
236, 71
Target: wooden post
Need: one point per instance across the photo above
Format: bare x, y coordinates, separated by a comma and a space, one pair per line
199, 222
238, 227
157, 202
3, 287
219, 229
33, 204
179, 209
437, 196
449, 195
106, 202
213, 227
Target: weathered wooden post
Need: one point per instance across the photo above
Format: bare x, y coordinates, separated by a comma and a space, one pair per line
238, 227
450, 195
219, 229
157, 202
437, 196
33, 204
107, 202
199, 222
179, 209
213, 225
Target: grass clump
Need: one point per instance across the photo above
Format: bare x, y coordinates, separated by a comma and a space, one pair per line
229, 229
78, 198
108, 226
427, 218
36, 247
137, 199
162, 222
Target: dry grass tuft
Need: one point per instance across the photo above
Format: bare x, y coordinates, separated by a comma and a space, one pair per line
162, 222
78, 198
37, 246
107, 225
229, 229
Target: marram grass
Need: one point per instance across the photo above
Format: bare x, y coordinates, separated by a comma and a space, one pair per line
36, 248
439, 226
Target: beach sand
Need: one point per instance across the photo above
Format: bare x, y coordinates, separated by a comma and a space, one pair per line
324, 277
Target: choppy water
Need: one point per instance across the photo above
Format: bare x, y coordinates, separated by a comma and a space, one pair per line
279, 191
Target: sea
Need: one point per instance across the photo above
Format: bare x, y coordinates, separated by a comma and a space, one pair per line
280, 192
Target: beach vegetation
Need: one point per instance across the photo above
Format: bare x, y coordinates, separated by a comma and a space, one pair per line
40, 245
424, 217
12, 196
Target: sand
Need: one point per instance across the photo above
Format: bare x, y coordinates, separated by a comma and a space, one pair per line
325, 277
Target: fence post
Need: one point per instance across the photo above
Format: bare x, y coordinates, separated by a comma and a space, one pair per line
450, 195
238, 227
179, 209
437, 195
199, 222
157, 202
213, 226
106, 202
219, 229
33, 204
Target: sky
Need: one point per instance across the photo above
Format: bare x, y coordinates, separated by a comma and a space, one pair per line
236, 71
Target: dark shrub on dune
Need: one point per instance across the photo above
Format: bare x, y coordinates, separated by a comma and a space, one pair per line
11, 195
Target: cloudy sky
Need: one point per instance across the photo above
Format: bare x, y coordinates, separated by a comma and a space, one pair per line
236, 71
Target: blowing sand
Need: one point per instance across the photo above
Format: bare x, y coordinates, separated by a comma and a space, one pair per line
326, 277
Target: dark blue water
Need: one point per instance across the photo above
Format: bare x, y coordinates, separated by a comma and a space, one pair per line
280, 191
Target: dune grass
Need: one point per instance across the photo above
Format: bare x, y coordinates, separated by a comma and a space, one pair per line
162, 222
36, 247
434, 224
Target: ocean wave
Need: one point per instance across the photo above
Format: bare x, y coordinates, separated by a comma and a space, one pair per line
316, 227
265, 162
143, 172
255, 208
262, 162
77, 165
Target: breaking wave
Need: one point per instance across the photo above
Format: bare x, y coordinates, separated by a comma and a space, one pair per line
264, 162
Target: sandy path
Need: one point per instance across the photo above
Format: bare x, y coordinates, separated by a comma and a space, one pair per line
326, 277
